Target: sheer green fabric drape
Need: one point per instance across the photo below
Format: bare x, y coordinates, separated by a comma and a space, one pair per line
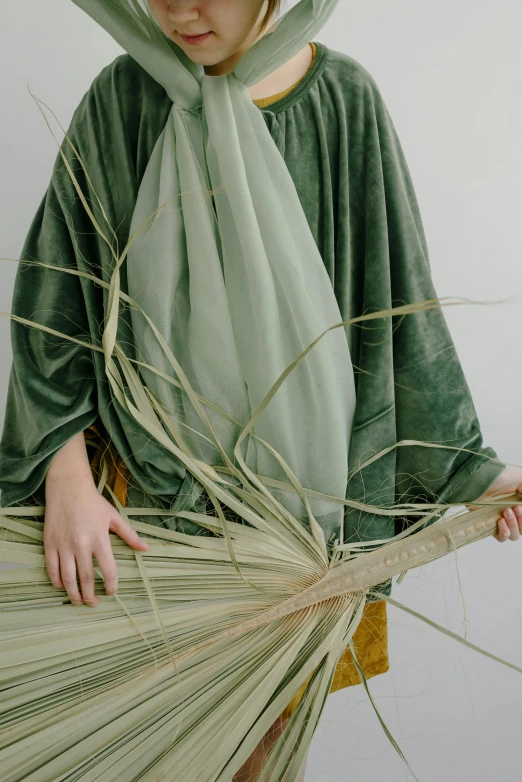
235, 282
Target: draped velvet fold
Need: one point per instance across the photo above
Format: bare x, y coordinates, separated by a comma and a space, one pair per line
341, 150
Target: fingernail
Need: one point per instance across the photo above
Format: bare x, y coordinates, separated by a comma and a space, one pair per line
92, 604
76, 602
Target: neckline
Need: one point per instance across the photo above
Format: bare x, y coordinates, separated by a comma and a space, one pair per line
303, 85
267, 101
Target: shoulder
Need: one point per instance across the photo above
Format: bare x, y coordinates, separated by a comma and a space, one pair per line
122, 86
357, 95
123, 112
131, 79
347, 67
351, 76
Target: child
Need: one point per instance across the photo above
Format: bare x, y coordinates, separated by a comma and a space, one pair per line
325, 113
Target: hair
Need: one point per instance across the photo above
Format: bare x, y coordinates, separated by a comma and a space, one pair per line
273, 8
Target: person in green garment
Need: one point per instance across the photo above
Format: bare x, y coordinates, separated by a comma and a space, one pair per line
339, 143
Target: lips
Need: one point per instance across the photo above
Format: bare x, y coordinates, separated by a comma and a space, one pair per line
196, 38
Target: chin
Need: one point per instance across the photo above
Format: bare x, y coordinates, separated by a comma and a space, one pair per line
203, 59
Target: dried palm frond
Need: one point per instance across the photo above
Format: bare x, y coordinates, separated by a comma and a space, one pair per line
180, 673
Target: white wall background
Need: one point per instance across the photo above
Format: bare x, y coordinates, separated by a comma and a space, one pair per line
451, 75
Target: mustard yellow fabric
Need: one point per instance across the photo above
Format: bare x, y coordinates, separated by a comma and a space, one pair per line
371, 647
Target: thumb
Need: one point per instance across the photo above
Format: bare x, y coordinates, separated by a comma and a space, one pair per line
125, 531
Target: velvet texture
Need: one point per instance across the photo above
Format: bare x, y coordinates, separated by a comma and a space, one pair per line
340, 145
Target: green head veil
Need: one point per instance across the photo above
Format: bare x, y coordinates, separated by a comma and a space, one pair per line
235, 282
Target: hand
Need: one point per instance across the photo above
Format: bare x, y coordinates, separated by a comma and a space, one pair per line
77, 524
510, 522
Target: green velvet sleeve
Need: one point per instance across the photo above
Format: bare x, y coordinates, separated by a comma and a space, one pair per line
57, 388
51, 392
432, 398
414, 406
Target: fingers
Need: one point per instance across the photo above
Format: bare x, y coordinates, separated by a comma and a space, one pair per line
68, 576
86, 576
503, 531
52, 564
125, 531
514, 521
62, 573
510, 524
108, 567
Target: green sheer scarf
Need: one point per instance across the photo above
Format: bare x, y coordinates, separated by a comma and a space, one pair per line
235, 282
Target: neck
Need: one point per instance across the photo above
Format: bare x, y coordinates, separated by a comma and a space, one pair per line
285, 76
277, 81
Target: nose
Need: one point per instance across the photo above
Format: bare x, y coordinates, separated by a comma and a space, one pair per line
182, 11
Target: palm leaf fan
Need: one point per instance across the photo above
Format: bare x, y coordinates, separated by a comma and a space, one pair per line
181, 673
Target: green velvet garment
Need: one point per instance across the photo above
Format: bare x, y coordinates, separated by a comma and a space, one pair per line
341, 148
